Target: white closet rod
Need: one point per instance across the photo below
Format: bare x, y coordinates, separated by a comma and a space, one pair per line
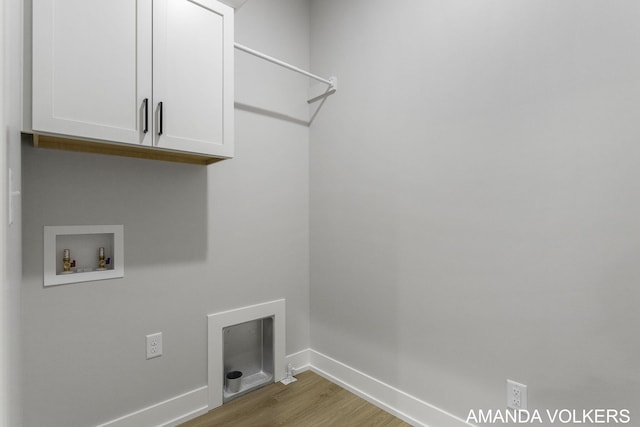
331, 82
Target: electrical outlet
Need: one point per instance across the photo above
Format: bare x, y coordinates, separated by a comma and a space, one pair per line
154, 345
516, 395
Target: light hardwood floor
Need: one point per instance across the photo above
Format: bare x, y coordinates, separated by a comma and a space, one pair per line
311, 401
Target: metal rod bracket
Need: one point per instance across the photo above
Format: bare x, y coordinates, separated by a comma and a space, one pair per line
332, 82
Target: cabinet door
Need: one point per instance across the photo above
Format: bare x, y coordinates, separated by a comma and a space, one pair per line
92, 68
193, 76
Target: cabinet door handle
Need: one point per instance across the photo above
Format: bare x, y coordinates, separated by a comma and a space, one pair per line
160, 113
146, 115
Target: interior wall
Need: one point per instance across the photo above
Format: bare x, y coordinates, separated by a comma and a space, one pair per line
12, 239
3, 232
475, 199
197, 241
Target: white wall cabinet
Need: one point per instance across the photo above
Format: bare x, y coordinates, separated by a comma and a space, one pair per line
146, 73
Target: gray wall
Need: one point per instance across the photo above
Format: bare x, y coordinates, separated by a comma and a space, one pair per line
197, 241
10, 137
475, 198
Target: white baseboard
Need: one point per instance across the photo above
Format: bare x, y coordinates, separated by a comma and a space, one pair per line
404, 406
299, 361
169, 413
414, 411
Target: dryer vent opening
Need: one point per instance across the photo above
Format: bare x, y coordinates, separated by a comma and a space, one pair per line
248, 357
250, 340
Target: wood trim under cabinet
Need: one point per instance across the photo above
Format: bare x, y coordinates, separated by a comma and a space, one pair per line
70, 144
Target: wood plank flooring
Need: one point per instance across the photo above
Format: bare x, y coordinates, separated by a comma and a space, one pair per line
309, 402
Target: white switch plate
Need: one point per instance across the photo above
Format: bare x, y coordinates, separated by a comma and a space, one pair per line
154, 345
516, 395
12, 193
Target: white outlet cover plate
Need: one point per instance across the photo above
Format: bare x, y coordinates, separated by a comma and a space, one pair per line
154, 345
516, 391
